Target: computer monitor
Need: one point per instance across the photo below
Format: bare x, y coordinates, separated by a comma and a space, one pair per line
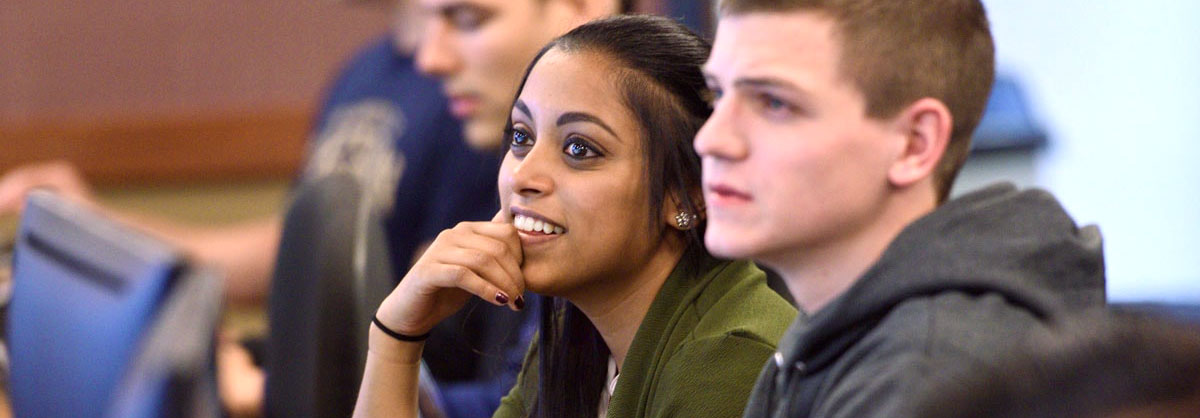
172, 374
1009, 122
88, 293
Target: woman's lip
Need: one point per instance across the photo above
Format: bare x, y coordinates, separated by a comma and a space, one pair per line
530, 239
515, 210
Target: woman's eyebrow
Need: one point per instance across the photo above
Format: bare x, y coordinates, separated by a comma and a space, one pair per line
572, 117
520, 105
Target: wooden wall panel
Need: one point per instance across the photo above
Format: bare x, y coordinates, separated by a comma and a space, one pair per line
202, 147
164, 90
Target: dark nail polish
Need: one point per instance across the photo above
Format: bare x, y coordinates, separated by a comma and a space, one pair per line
520, 302
501, 298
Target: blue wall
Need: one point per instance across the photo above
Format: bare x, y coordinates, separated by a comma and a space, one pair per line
1116, 83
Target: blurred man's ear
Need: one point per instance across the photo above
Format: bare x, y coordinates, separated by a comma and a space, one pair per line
923, 130
589, 10
407, 25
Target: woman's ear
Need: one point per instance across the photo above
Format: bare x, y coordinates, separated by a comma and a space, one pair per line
677, 216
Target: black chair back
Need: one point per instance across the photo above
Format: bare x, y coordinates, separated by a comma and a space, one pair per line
332, 271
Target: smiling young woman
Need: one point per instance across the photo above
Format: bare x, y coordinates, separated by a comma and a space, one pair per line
601, 211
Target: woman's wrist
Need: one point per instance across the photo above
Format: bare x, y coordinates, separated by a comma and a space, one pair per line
396, 334
391, 349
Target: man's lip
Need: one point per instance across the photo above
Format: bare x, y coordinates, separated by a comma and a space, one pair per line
728, 193
463, 106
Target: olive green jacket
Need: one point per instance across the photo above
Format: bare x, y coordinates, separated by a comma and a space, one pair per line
698, 351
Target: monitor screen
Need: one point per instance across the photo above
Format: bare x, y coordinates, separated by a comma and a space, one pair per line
86, 290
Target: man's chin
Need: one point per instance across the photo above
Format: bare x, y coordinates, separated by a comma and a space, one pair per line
725, 247
482, 135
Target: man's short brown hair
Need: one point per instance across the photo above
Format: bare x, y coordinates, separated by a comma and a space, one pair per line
899, 51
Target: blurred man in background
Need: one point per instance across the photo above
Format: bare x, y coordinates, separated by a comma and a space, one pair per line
393, 129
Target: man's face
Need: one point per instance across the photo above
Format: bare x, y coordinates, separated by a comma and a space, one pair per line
793, 167
480, 48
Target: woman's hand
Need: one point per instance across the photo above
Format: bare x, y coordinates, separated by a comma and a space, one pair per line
473, 258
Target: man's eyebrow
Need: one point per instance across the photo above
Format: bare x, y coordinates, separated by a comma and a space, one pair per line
768, 82
572, 117
448, 9
764, 81
520, 105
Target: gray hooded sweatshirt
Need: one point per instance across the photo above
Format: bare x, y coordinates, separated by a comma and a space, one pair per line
953, 291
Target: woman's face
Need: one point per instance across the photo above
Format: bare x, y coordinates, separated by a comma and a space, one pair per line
573, 182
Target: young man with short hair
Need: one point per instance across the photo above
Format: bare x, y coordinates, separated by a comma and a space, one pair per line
480, 48
838, 128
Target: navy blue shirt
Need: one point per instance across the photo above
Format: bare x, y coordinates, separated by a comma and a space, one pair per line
391, 126
442, 181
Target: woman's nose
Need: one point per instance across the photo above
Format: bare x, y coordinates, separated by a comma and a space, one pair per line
531, 175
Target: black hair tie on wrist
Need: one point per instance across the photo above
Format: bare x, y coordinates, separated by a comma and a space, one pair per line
397, 335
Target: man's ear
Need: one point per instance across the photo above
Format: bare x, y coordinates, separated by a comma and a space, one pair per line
924, 128
584, 11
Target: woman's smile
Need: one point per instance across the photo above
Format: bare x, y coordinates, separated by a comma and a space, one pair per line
534, 228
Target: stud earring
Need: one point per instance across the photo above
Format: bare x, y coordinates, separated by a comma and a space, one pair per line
685, 220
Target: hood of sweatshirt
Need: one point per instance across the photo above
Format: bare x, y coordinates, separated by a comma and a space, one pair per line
1019, 244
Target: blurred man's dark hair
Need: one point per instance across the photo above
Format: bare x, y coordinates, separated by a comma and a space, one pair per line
1104, 366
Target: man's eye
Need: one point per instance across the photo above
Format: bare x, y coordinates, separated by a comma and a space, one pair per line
773, 103
467, 19
775, 106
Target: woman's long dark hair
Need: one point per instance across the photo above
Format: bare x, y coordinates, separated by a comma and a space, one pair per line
659, 63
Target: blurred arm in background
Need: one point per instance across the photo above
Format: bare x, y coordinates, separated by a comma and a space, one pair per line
244, 251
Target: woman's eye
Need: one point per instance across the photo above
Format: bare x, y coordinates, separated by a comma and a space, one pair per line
579, 150
519, 142
520, 138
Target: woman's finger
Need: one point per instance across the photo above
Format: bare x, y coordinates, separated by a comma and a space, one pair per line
454, 275
500, 240
502, 256
501, 231
497, 269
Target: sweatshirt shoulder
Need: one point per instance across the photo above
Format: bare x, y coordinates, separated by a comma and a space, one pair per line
920, 341
956, 324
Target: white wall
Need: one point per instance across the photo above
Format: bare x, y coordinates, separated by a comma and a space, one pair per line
1117, 85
